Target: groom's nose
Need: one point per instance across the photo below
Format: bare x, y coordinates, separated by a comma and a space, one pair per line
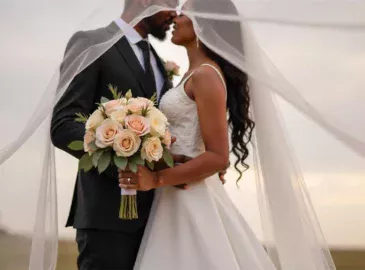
173, 15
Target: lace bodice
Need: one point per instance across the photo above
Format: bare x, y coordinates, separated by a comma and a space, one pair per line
182, 114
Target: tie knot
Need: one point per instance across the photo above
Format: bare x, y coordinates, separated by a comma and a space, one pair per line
143, 45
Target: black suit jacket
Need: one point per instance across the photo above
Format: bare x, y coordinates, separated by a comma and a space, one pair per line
96, 198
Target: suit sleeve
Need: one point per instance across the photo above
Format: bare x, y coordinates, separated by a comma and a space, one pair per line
79, 97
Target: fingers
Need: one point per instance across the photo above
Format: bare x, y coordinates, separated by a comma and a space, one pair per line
183, 186
221, 177
128, 186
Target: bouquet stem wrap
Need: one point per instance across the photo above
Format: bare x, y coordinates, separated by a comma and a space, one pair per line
128, 204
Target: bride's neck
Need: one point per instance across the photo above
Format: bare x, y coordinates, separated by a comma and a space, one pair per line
196, 56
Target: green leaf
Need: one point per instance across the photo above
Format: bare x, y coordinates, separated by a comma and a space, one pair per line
93, 146
150, 165
129, 94
81, 118
96, 157
121, 162
168, 158
137, 160
85, 163
133, 167
104, 100
103, 162
154, 98
76, 145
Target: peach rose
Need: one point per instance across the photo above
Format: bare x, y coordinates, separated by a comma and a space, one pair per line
113, 105
152, 149
172, 67
138, 124
167, 139
95, 120
106, 133
89, 138
135, 106
126, 143
158, 122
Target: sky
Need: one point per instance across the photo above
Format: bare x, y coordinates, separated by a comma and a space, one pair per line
325, 65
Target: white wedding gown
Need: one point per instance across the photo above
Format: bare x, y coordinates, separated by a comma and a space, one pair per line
199, 228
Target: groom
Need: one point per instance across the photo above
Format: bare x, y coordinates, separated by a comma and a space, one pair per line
106, 242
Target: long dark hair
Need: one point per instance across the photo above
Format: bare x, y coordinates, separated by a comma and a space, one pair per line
238, 94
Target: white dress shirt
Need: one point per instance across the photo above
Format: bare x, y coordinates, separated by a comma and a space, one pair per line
133, 38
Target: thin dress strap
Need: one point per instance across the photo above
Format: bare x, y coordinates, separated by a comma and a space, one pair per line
219, 73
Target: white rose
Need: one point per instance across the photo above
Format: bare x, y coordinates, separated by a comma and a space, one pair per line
95, 120
126, 143
106, 133
152, 149
113, 105
158, 122
147, 104
119, 116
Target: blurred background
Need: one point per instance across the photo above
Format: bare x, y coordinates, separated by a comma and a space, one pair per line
309, 58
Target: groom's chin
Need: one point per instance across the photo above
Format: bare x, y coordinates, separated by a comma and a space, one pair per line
160, 35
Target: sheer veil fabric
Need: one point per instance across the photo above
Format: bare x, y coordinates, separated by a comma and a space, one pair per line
329, 104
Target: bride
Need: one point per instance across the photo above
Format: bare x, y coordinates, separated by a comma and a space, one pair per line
200, 228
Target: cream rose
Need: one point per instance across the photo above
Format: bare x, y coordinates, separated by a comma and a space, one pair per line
106, 133
146, 103
119, 116
152, 149
158, 122
89, 138
95, 120
138, 124
113, 105
135, 106
167, 139
126, 143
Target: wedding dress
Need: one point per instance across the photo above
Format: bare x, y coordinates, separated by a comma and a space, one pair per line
198, 228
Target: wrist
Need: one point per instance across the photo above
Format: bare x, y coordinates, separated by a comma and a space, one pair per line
157, 179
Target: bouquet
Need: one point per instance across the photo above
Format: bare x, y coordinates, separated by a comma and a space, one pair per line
124, 132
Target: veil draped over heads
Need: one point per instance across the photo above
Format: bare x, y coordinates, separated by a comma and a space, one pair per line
303, 60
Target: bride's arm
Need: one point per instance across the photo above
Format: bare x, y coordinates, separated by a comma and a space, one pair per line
210, 96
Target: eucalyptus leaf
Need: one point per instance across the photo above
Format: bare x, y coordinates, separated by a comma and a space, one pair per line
120, 162
85, 163
104, 162
96, 157
133, 167
168, 158
104, 100
137, 160
150, 165
76, 145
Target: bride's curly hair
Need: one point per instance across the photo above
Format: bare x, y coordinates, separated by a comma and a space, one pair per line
238, 92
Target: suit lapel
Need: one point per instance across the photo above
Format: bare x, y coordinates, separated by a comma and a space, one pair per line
126, 51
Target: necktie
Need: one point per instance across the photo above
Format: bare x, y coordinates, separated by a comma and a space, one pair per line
150, 77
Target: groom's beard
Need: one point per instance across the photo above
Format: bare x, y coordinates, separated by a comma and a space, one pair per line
155, 29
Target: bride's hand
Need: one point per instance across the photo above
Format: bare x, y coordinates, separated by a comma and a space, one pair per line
143, 180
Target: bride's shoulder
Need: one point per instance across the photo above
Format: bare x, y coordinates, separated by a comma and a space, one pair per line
207, 79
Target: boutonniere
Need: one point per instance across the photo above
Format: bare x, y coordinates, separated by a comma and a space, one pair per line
172, 69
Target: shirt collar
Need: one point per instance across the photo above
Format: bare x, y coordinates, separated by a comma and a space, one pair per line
130, 33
